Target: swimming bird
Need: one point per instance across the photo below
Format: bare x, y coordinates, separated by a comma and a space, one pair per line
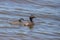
30, 22
18, 22
21, 21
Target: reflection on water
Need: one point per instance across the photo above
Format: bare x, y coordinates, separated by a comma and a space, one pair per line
47, 21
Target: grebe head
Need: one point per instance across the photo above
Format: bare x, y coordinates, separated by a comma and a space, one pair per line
32, 16
20, 20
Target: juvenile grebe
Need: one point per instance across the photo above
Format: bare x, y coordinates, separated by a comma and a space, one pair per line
18, 22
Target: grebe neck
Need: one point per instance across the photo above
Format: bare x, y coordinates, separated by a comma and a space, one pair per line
31, 19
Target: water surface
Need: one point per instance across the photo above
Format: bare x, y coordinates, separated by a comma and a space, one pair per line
47, 21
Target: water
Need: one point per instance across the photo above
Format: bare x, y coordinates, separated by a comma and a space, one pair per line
47, 21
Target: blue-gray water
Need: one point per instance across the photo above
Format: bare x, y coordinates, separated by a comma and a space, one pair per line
47, 21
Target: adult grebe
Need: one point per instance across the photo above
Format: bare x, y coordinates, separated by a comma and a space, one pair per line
30, 22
